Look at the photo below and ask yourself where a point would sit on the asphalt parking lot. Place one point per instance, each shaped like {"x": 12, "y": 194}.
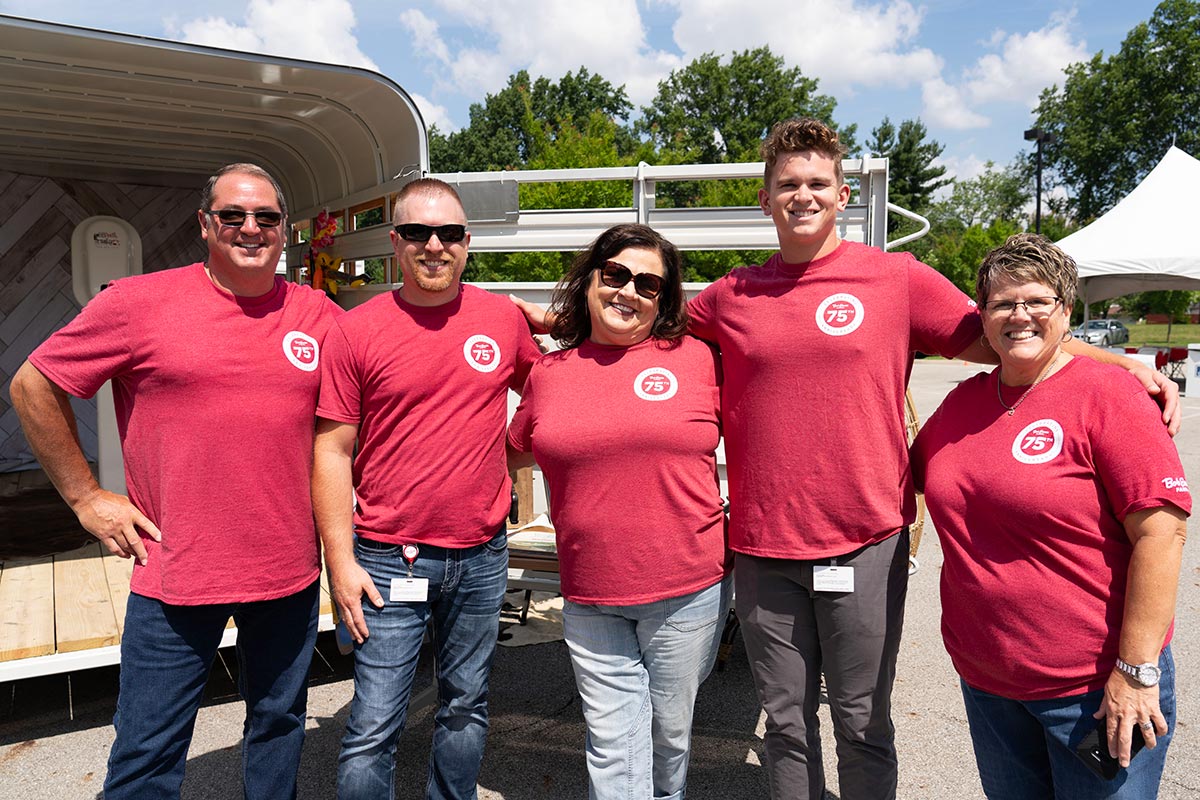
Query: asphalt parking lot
{"x": 55, "y": 731}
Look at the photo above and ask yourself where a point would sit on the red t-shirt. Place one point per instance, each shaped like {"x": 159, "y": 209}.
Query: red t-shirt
{"x": 214, "y": 397}
{"x": 626, "y": 439}
{"x": 428, "y": 388}
{"x": 816, "y": 361}
{"x": 1029, "y": 510}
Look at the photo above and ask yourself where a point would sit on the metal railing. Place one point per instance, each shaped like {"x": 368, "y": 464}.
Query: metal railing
{"x": 499, "y": 224}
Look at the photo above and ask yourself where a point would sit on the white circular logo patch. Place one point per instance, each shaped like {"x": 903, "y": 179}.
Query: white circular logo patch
{"x": 1039, "y": 442}
{"x": 482, "y": 353}
{"x": 656, "y": 383}
{"x": 301, "y": 349}
{"x": 840, "y": 314}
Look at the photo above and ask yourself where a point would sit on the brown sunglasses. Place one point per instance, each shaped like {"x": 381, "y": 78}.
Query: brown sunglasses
{"x": 646, "y": 284}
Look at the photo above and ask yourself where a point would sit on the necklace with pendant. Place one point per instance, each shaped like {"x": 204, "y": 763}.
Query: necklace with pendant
{"x": 1013, "y": 408}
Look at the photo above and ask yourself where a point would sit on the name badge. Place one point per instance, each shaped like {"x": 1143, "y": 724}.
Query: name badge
{"x": 407, "y": 590}
{"x": 833, "y": 579}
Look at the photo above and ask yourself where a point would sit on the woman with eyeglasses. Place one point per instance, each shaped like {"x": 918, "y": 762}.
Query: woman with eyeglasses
{"x": 624, "y": 423}
{"x": 1061, "y": 504}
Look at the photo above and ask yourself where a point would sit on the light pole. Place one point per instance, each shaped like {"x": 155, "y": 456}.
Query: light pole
{"x": 1041, "y": 137}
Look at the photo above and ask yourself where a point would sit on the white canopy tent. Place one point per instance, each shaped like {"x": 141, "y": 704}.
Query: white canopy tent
{"x": 1149, "y": 241}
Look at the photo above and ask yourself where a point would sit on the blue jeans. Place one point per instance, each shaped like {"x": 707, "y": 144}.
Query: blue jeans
{"x": 1026, "y": 750}
{"x": 466, "y": 590}
{"x": 638, "y": 669}
{"x": 166, "y": 654}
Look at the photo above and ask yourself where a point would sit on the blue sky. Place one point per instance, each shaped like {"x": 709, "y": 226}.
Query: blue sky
{"x": 971, "y": 71}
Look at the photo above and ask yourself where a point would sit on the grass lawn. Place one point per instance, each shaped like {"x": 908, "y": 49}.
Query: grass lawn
{"x": 1145, "y": 335}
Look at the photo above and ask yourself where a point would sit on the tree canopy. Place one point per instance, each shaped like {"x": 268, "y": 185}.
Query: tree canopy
{"x": 505, "y": 128}
{"x": 913, "y": 177}
{"x": 1115, "y": 117}
{"x": 712, "y": 111}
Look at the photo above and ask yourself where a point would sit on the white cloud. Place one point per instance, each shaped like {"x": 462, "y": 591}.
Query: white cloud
{"x": 434, "y": 114}
{"x": 425, "y": 31}
{"x": 315, "y": 30}
{"x": 844, "y": 44}
{"x": 944, "y": 106}
{"x": 962, "y": 168}
{"x": 487, "y": 42}
{"x": 1024, "y": 64}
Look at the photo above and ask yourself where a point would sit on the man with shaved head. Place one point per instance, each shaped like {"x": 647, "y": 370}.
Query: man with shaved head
{"x": 419, "y": 379}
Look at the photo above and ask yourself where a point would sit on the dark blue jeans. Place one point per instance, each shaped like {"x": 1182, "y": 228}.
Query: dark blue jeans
{"x": 466, "y": 590}
{"x": 166, "y": 654}
{"x": 1026, "y": 750}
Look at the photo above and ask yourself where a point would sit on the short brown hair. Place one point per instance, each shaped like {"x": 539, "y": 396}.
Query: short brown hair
{"x": 802, "y": 135}
{"x": 1028, "y": 258}
{"x": 207, "y": 195}
{"x": 573, "y": 324}
{"x": 429, "y": 187}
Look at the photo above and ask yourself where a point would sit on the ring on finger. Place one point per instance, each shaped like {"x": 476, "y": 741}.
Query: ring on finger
{"x": 1146, "y": 726}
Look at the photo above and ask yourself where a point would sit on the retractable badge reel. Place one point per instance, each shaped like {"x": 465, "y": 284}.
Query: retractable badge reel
{"x": 409, "y": 589}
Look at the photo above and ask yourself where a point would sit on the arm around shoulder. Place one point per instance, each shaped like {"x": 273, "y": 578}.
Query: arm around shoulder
{"x": 1162, "y": 388}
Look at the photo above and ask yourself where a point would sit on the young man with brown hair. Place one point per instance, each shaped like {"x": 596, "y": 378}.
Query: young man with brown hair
{"x": 817, "y": 347}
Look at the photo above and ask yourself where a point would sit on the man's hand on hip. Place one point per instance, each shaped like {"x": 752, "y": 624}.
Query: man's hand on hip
{"x": 115, "y": 521}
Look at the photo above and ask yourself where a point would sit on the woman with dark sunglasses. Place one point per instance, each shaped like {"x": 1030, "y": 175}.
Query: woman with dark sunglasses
{"x": 624, "y": 423}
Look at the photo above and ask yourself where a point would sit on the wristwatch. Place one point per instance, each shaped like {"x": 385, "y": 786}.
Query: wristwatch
{"x": 1146, "y": 674}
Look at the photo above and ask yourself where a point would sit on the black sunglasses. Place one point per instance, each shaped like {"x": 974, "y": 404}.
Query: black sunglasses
{"x": 416, "y": 232}
{"x": 615, "y": 276}
{"x": 236, "y": 218}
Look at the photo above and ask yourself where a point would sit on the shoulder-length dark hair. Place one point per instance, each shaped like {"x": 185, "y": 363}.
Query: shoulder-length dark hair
{"x": 573, "y": 323}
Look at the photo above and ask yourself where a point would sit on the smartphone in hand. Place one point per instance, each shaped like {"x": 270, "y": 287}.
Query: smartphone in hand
{"x": 1093, "y": 750}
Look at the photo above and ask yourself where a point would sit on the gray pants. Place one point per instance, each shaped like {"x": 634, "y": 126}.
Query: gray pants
{"x": 793, "y": 634}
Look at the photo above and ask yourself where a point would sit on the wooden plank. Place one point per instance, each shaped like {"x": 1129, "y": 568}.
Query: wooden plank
{"x": 52, "y": 256}
{"x": 326, "y": 605}
{"x": 34, "y": 333}
{"x": 6, "y": 180}
{"x": 17, "y": 193}
{"x": 118, "y": 571}
{"x": 27, "y": 609}
{"x": 87, "y": 198}
{"x": 31, "y": 305}
{"x": 83, "y": 611}
{"x": 524, "y": 486}
{"x": 41, "y": 201}
{"x": 111, "y": 195}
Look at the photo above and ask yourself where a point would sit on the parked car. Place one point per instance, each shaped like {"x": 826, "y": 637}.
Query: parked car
{"x": 1102, "y": 332}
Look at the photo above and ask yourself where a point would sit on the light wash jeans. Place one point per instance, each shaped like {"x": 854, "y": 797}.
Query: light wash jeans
{"x": 466, "y": 589}
{"x": 638, "y": 669}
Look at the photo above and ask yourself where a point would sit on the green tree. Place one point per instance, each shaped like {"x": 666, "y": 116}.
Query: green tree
{"x": 979, "y": 214}
{"x": 718, "y": 110}
{"x": 560, "y": 145}
{"x": 994, "y": 194}
{"x": 956, "y": 252}
{"x": 1173, "y": 304}
{"x": 506, "y": 126}
{"x": 912, "y": 175}
{"x": 711, "y": 111}
{"x": 1115, "y": 117}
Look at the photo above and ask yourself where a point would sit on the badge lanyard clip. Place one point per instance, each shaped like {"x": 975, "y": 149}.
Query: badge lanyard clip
{"x": 409, "y": 552}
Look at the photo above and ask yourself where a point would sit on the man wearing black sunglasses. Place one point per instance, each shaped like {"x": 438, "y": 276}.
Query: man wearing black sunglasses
{"x": 215, "y": 370}
{"x": 419, "y": 379}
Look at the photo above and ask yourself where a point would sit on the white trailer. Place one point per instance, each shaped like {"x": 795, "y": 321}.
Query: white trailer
{"x": 103, "y": 124}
